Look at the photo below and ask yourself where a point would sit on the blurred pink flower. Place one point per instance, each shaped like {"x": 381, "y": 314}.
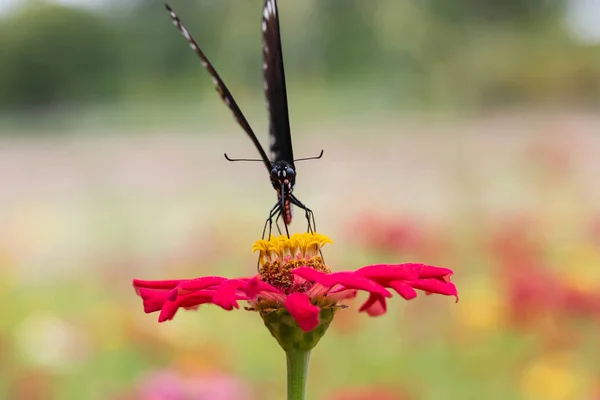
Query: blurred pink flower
{"x": 294, "y": 278}
{"x": 168, "y": 385}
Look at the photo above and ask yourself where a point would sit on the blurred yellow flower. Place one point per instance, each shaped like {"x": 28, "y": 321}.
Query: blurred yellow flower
{"x": 582, "y": 272}
{"x": 554, "y": 377}
{"x": 484, "y": 311}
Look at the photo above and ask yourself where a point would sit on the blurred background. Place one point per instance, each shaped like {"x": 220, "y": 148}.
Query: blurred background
{"x": 461, "y": 134}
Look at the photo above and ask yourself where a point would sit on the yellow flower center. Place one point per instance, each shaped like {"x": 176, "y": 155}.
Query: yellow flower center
{"x": 280, "y": 255}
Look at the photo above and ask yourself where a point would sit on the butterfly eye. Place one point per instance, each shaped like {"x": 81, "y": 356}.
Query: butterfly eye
{"x": 275, "y": 173}
{"x": 289, "y": 172}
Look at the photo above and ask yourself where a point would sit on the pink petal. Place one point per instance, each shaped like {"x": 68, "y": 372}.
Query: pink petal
{"x": 298, "y": 281}
{"x": 225, "y": 295}
{"x": 375, "y": 305}
{"x": 187, "y": 301}
{"x": 305, "y": 313}
{"x": 312, "y": 275}
{"x": 355, "y": 281}
{"x": 202, "y": 283}
{"x": 385, "y": 272}
{"x": 174, "y": 293}
{"x": 434, "y": 272}
{"x": 403, "y": 289}
{"x": 152, "y": 300}
{"x": 317, "y": 290}
{"x": 168, "y": 311}
{"x": 433, "y": 285}
{"x": 344, "y": 294}
{"x": 256, "y": 286}
{"x": 157, "y": 285}
{"x": 348, "y": 279}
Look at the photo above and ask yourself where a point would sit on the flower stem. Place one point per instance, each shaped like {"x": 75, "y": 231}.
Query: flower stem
{"x": 297, "y": 373}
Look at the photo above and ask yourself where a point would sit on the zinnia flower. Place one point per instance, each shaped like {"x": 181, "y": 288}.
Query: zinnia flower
{"x": 296, "y": 294}
{"x": 294, "y": 288}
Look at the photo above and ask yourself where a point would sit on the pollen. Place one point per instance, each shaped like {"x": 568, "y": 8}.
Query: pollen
{"x": 280, "y": 255}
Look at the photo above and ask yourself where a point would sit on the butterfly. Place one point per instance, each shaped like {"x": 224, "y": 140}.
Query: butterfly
{"x": 280, "y": 166}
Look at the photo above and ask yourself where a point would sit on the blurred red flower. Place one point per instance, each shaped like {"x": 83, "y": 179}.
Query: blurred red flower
{"x": 534, "y": 292}
{"x": 370, "y": 393}
{"x": 396, "y": 235}
{"x": 514, "y": 240}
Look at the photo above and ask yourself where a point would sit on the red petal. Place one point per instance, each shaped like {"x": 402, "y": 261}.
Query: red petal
{"x": 355, "y": 281}
{"x": 193, "y": 300}
{"x": 168, "y": 311}
{"x": 434, "y": 272}
{"x": 351, "y": 280}
{"x": 375, "y": 305}
{"x": 153, "y": 301}
{"x": 433, "y": 285}
{"x": 313, "y": 275}
{"x": 305, "y": 313}
{"x": 174, "y": 293}
{"x": 157, "y": 285}
{"x": 202, "y": 283}
{"x": 403, "y": 289}
{"x": 196, "y": 298}
{"x": 225, "y": 295}
{"x": 385, "y": 272}
{"x": 255, "y": 286}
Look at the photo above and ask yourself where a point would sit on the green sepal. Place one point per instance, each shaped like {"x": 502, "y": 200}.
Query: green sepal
{"x": 289, "y": 335}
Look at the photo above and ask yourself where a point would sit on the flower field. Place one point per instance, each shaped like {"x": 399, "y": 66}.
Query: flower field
{"x": 508, "y": 202}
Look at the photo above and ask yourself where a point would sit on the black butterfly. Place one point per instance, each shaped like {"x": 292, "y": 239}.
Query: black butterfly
{"x": 281, "y": 165}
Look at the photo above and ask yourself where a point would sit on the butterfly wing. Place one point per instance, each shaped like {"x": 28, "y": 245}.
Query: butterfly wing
{"x": 275, "y": 91}
{"x": 220, "y": 86}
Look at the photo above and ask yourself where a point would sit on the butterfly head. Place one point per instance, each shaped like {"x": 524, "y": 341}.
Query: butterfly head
{"x": 283, "y": 174}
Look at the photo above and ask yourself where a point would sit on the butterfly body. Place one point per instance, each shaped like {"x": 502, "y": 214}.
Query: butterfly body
{"x": 283, "y": 179}
{"x": 280, "y": 165}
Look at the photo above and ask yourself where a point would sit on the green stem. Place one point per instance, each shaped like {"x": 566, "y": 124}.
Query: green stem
{"x": 297, "y": 373}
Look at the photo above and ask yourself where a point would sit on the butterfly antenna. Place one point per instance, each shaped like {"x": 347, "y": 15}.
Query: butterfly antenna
{"x": 311, "y": 158}
{"x": 241, "y": 159}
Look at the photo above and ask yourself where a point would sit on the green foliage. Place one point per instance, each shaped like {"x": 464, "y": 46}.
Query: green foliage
{"x": 495, "y": 11}
{"x": 463, "y": 53}
{"x": 52, "y": 53}
{"x": 153, "y": 51}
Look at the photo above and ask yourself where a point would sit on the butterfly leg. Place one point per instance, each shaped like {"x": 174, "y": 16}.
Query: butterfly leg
{"x": 310, "y": 216}
{"x": 274, "y": 213}
{"x": 287, "y": 232}
{"x": 277, "y": 218}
